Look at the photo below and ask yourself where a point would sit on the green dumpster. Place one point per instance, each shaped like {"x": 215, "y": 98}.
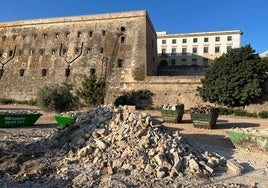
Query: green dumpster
{"x": 64, "y": 120}
{"x": 173, "y": 116}
{"x": 10, "y": 120}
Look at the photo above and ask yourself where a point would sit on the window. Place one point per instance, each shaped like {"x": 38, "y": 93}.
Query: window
{"x": 123, "y": 29}
{"x": 217, "y": 49}
{"x": 206, "y": 39}
{"x": 44, "y": 72}
{"x": 184, "y": 51}
{"x": 229, "y": 48}
{"x": 88, "y": 50}
{"x": 183, "y": 61}
{"x": 31, "y": 52}
{"x": 194, "y": 40}
{"x": 194, "y": 61}
{"x": 41, "y": 51}
{"x": 67, "y": 34}
{"x": 173, "y": 51}
{"x": 103, "y": 32}
{"x": 79, "y": 34}
{"x": 173, "y": 62}
{"x": 21, "y": 72}
{"x": 34, "y": 36}
{"x": 1, "y": 53}
{"x": 163, "y": 51}
{"x": 44, "y": 36}
{"x": 90, "y": 33}
{"x": 119, "y": 63}
{"x": 10, "y": 53}
{"x": 67, "y": 72}
{"x": 53, "y": 51}
{"x": 164, "y": 41}
{"x": 122, "y": 39}
{"x": 217, "y": 39}
{"x": 229, "y": 38}
{"x": 14, "y": 37}
{"x": 64, "y": 51}
{"x": 4, "y": 38}
{"x": 184, "y": 40}
{"x": 92, "y": 71}
{"x": 76, "y": 50}
{"x": 57, "y": 35}
{"x": 194, "y": 50}
{"x": 205, "y": 61}
{"x": 101, "y": 50}
{"x": 205, "y": 51}
{"x": 174, "y": 41}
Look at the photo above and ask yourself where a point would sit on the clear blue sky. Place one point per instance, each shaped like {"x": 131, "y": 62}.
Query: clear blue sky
{"x": 173, "y": 16}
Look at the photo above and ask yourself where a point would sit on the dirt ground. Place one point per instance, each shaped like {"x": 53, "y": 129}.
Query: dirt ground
{"x": 255, "y": 163}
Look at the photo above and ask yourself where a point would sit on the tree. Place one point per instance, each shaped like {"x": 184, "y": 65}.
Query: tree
{"x": 92, "y": 90}
{"x": 235, "y": 79}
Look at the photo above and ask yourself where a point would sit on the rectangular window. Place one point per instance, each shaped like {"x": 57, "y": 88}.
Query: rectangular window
{"x": 184, "y": 40}
{"x": 183, "y": 61}
{"x": 90, "y": 33}
{"x": 44, "y": 36}
{"x": 206, "y": 39}
{"x": 205, "y": 51}
{"x": 119, "y": 63}
{"x": 229, "y": 38}
{"x": 194, "y": 40}
{"x": 53, "y": 51}
{"x": 194, "y": 50}
{"x": 31, "y": 52}
{"x": 57, "y": 35}
{"x": 173, "y": 51}
{"x": 122, "y": 39}
{"x": 21, "y": 72}
{"x": 64, "y": 51}
{"x": 174, "y": 41}
{"x": 79, "y": 34}
{"x": 163, "y": 51}
{"x": 101, "y": 50}
{"x": 217, "y": 39}
{"x": 10, "y": 53}
{"x": 103, "y": 33}
{"x": 217, "y": 49}
{"x": 173, "y": 62}
{"x": 67, "y": 34}
{"x": 44, "y": 72}
{"x": 205, "y": 61}
{"x": 164, "y": 41}
{"x": 1, "y": 54}
{"x": 194, "y": 61}
{"x": 88, "y": 50}
{"x": 184, "y": 51}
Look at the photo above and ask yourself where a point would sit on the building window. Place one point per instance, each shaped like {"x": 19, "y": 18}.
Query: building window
{"x": 101, "y": 50}
{"x": 57, "y": 35}
{"x": 183, "y": 61}
{"x": 34, "y": 36}
{"x": 122, "y": 39}
{"x": 194, "y": 50}
{"x": 67, "y": 72}
{"x": 163, "y": 51}
{"x": 206, "y": 39}
{"x": 67, "y": 34}
{"x": 173, "y": 51}
{"x": 217, "y": 39}
{"x": 164, "y": 41}
{"x": 205, "y": 50}
{"x": 228, "y": 48}
{"x": 103, "y": 32}
{"x": 22, "y": 72}
{"x": 10, "y": 53}
{"x": 31, "y": 52}
{"x": 64, "y": 51}
{"x": 205, "y": 61}
{"x": 76, "y": 50}
{"x": 4, "y": 38}
{"x": 194, "y": 61}
{"x": 229, "y": 38}
{"x": 217, "y": 49}
{"x": 184, "y": 51}
{"x": 41, "y": 51}
{"x": 88, "y": 50}
{"x": 174, "y": 41}
{"x": 44, "y": 72}
{"x": 44, "y": 36}
{"x": 119, "y": 63}
{"x": 1, "y": 54}
{"x": 90, "y": 33}
{"x": 53, "y": 51}
{"x": 184, "y": 40}
{"x": 14, "y": 37}
{"x": 194, "y": 40}
{"x": 79, "y": 34}
{"x": 173, "y": 62}
{"x": 92, "y": 71}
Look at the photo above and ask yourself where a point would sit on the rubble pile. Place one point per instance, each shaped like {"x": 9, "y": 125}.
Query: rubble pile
{"x": 201, "y": 110}
{"x": 117, "y": 145}
{"x": 171, "y": 106}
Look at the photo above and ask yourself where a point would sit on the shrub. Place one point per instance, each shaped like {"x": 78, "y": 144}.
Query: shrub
{"x": 57, "y": 97}
{"x": 92, "y": 90}
{"x": 6, "y": 101}
{"x": 241, "y": 112}
{"x": 263, "y": 114}
{"x": 225, "y": 111}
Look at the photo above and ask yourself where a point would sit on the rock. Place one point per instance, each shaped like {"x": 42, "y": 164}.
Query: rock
{"x": 234, "y": 166}
{"x": 193, "y": 165}
{"x": 100, "y": 144}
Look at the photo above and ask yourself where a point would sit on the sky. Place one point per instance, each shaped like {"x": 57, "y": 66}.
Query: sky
{"x": 173, "y": 16}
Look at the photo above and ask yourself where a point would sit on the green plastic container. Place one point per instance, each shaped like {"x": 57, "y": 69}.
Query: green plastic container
{"x": 18, "y": 120}
{"x": 249, "y": 141}
{"x": 63, "y": 121}
{"x": 208, "y": 121}
{"x": 173, "y": 116}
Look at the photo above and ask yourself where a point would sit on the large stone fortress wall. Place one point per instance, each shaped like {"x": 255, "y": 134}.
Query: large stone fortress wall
{"x": 118, "y": 47}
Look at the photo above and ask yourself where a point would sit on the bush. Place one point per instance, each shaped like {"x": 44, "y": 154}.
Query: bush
{"x": 225, "y": 111}
{"x": 263, "y": 114}
{"x": 241, "y": 112}
{"x": 57, "y": 97}
{"x": 6, "y": 101}
{"x": 142, "y": 99}
{"x": 92, "y": 90}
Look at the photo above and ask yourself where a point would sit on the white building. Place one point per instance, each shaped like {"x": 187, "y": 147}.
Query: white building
{"x": 194, "y": 49}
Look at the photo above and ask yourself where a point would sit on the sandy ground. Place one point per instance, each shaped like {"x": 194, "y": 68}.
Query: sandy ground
{"x": 255, "y": 163}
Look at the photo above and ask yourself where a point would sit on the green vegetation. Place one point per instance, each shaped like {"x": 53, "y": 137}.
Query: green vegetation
{"x": 241, "y": 112}
{"x": 57, "y": 97}
{"x": 13, "y": 101}
{"x": 225, "y": 111}
{"x": 263, "y": 114}
{"x": 142, "y": 99}
{"x": 92, "y": 90}
{"x": 235, "y": 79}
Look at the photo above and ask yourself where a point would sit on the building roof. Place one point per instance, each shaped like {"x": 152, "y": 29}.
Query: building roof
{"x": 264, "y": 54}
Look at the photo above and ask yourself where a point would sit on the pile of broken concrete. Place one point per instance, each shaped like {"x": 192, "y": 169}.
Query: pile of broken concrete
{"x": 116, "y": 143}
